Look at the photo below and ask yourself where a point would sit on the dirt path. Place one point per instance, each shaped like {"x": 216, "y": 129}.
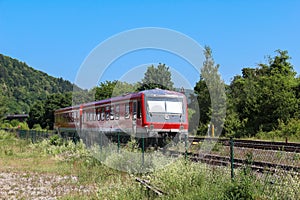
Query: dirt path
{"x": 30, "y": 185}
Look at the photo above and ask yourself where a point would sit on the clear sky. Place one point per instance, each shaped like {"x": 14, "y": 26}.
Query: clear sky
{"x": 56, "y": 36}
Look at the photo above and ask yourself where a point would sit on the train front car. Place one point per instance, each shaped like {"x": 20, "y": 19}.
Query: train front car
{"x": 165, "y": 113}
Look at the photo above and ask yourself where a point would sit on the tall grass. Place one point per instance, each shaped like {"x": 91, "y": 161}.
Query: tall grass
{"x": 179, "y": 179}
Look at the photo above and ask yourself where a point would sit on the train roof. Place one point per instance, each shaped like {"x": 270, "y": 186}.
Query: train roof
{"x": 152, "y": 92}
{"x": 161, "y": 92}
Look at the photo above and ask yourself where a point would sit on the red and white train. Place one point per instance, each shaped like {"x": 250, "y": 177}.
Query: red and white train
{"x": 149, "y": 113}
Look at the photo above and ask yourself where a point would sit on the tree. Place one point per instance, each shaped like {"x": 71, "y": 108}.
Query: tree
{"x": 52, "y": 103}
{"x": 110, "y": 89}
{"x": 36, "y": 114}
{"x": 266, "y": 95}
{"x": 3, "y": 106}
{"x": 23, "y": 86}
{"x": 157, "y": 77}
{"x": 210, "y": 90}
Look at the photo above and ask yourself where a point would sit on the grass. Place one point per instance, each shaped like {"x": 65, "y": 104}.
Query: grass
{"x": 179, "y": 179}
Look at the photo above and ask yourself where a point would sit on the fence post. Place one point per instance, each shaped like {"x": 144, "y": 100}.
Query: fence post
{"x": 100, "y": 140}
{"x": 231, "y": 158}
{"x": 143, "y": 149}
{"x": 185, "y": 144}
{"x": 118, "y": 142}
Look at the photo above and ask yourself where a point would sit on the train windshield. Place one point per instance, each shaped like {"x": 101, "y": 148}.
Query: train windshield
{"x": 165, "y": 105}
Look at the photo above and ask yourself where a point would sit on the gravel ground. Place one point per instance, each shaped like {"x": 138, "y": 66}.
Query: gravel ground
{"x": 29, "y": 185}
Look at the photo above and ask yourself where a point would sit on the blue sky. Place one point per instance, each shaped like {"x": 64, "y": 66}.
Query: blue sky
{"x": 57, "y": 36}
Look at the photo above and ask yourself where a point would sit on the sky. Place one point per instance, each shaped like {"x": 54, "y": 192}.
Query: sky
{"x": 57, "y": 37}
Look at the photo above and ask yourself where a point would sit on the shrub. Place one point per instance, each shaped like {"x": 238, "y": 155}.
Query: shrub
{"x": 56, "y": 140}
{"x": 37, "y": 127}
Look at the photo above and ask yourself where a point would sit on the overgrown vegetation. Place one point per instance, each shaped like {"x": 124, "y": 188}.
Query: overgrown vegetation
{"x": 179, "y": 180}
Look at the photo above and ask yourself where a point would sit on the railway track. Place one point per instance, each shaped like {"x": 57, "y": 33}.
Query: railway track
{"x": 218, "y": 160}
{"x": 255, "y": 144}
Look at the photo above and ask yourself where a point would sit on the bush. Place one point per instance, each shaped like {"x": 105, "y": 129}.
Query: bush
{"x": 4, "y": 135}
{"x": 37, "y": 127}
{"x": 56, "y": 140}
{"x": 291, "y": 130}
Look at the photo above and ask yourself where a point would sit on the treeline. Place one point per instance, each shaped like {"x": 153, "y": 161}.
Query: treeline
{"x": 262, "y": 102}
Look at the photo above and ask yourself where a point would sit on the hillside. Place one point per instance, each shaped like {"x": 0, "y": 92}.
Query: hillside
{"x": 22, "y": 85}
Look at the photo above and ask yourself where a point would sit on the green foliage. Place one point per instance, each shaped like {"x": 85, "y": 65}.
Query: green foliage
{"x": 110, "y": 89}
{"x": 289, "y": 130}
{"x": 4, "y": 135}
{"x": 262, "y": 97}
{"x": 210, "y": 90}
{"x": 56, "y": 140}
{"x": 14, "y": 124}
{"x": 243, "y": 188}
{"x": 42, "y": 112}
{"x": 3, "y": 105}
{"x": 22, "y": 85}
{"x": 52, "y": 103}
{"x": 179, "y": 179}
{"x": 6, "y": 124}
{"x": 37, "y": 127}
{"x": 36, "y": 114}
{"x": 157, "y": 77}
{"x": 132, "y": 145}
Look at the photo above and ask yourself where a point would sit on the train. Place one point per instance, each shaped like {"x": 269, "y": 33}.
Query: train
{"x": 154, "y": 113}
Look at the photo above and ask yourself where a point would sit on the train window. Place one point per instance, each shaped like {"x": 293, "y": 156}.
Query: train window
{"x": 107, "y": 110}
{"x": 127, "y": 111}
{"x": 98, "y": 114}
{"x": 71, "y": 116}
{"x": 65, "y": 117}
{"x": 102, "y": 114}
{"x": 112, "y": 113}
{"x": 75, "y": 115}
{"x": 139, "y": 113}
{"x": 134, "y": 110}
{"x": 94, "y": 116}
{"x": 86, "y": 116}
{"x": 117, "y": 114}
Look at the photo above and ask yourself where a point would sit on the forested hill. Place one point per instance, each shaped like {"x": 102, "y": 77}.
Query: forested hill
{"x": 22, "y": 85}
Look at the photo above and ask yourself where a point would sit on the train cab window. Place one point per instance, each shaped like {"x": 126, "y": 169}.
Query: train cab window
{"x": 102, "y": 114}
{"x": 117, "y": 114}
{"x": 112, "y": 112}
{"x": 134, "y": 110}
{"x": 139, "y": 113}
{"x": 127, "y": 111}
{"x": 107, "y": 112}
